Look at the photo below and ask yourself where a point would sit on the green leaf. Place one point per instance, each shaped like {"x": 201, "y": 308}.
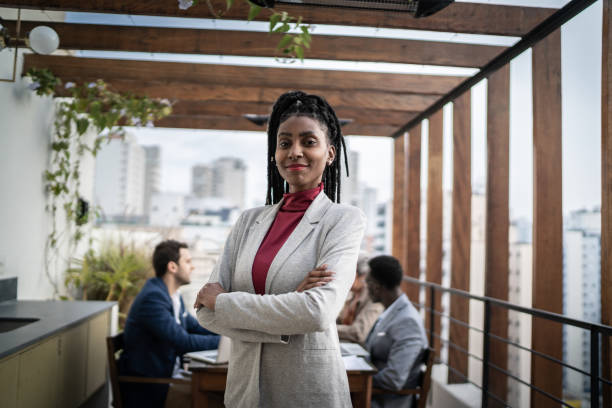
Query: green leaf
{"x": 274, "y": 19}
{"x": 283, "y": 28}
{"x": 82, "y": 125}
{"x": 253, "y": 11}
{"x": 299, "y": 52}
{"x": 286, "y": 40}
{"x": 229, "y": 4}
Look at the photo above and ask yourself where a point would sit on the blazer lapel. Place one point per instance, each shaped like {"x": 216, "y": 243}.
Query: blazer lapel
{"x": 257, "y": 232}
{"x": 311, "y": 217}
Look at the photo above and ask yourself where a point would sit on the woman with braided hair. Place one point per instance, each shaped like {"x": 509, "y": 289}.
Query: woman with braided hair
{"x": 287, "y": 267}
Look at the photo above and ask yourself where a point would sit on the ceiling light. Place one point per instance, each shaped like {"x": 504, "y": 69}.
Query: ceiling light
{"x": 42, "y": 40}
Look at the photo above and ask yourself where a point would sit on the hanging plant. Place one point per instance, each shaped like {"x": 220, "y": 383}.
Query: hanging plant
{"x": 90, "y": 108}
{"x": 291, "y": 45}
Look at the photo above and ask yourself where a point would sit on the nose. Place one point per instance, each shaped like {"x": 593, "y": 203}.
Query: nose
{"x": 295, "y": 152}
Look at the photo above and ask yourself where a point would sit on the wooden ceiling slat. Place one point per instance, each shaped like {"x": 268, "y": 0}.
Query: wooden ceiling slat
{"x": 191, "y": 91}
{"x": 216, "y": 122}
{"x": 244, "y": 43}
{"x": 458, "y": 17}
{"x": 230, "y": 75}
{"x": 229, "y": 108}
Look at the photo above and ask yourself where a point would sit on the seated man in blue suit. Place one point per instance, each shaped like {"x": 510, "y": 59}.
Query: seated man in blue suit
{"x": 397, "y": 341}
{"x": 158, "y": 330}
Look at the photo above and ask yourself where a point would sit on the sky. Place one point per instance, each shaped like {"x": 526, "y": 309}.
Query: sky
{"x": 581, "y": 96}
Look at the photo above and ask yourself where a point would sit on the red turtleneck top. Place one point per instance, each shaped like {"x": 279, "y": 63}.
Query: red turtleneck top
{"x": 288, "y": 217}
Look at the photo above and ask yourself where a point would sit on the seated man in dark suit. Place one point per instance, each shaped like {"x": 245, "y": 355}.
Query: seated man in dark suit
{"x": 158, "y": 330}
{"x": 397, "y": 341}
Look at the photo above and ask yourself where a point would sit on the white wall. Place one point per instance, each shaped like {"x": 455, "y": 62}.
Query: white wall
{"x": 25, "y": 121}
{"x": 25, "y": 129}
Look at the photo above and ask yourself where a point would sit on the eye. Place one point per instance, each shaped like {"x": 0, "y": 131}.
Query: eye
{"x": 311, "y": 141}
{"x": 283, "y": 144}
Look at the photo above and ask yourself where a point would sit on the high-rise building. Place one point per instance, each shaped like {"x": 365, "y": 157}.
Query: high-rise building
{"x": 224, "y": 178}
{"x": 581, "y": 295}
{"x": 229, "y": 180}
{"x": 167, "y": 209}
{"x": 152, "y": 175}
{"x": 120, "y": 178}
{"x": 381, "y": 235}
{"x": 519, "y": 324}
{"x": 202, "y": 181}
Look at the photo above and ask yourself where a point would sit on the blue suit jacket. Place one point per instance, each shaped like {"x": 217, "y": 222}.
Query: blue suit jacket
{"x": 153, "y": 341}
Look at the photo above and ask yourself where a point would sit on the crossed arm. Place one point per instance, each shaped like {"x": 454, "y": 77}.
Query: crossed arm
{"x": 256, "y": 318}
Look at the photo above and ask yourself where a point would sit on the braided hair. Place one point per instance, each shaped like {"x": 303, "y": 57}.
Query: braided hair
{"x": 297, "y": 103}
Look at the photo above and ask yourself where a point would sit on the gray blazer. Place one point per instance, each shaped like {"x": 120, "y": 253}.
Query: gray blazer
{"x": 267, "y": 368}
{"x": 396, "y": 345}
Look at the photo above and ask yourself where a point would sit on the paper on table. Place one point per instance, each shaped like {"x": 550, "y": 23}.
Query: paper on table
{"x": 356, "y": 363}
{"x": 354, "y": 349}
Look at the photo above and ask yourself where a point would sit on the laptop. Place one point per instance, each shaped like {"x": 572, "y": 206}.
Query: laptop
{"x": 218, "y": 356}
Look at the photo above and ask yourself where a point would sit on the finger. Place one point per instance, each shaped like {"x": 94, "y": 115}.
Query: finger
{"x": 314, "y": 285}
{"x": 322, "y": 279}
{"x": 320, "y": 274}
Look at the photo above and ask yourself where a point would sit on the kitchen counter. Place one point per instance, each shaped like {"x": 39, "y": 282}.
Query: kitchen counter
{"x": 54, "y": 316}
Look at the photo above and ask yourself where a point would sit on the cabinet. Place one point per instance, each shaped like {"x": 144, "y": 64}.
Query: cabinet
{"x": 61, "y": 371}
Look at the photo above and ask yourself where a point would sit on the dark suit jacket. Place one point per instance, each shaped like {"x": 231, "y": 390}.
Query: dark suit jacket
{"x": 153, "y": 341}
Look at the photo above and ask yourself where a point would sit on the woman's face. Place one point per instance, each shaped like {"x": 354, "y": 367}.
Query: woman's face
{"x": 302, "y": 152}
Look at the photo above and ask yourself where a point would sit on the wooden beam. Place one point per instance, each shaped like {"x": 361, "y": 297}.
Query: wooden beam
{"x": 220, "y": 122}
{"x": 413, "y": 212}
{"x": 497, "y": 221}
{"x": 547, "y": 336}
{"x": 259, "y": 44}
{"x": 434, "y": 217}
{"x": 458, "y": 17}
{"x": 606, "y": 198}
{"x": 461, "y": 227}
{"x": 399, "y": 192}
{"x": 190, "y": 91}
{"x": 75, "y": 68}
{"x": 229, "y": 108}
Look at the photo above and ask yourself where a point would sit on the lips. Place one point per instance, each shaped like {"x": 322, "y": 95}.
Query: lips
{"x": 296, "y": 167}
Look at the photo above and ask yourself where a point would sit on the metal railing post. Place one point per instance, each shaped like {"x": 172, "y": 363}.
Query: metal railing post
{"x": 485, "y": 354}
{"x": 594, "y": 367}
{"x": 432, "y": 306}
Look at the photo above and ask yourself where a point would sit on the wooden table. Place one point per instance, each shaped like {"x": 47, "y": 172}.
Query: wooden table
{"x": 206, "y": 378}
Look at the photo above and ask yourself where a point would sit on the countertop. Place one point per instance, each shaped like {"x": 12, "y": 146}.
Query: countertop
{"x": 55, "y": 316}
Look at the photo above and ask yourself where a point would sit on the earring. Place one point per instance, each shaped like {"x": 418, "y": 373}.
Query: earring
{"x": 271, "y": 159}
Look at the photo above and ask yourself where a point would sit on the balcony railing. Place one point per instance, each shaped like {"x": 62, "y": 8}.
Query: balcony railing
{"x": 596, "y": 331}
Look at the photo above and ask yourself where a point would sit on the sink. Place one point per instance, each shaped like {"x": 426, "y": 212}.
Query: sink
{"x": 8, "y": 324}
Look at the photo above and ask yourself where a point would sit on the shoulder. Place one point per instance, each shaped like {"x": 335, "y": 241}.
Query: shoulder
{"x": 345, "y": 211}
{"x": 407, "y": 321}
{"x": 152, "y": 290}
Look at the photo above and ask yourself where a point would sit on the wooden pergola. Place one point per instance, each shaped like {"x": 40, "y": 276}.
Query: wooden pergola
{"x": 392, "y": 105}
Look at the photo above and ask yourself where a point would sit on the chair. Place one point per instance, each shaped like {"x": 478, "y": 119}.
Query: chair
{"x": 421, "y": 391}
{"x": 115, "y": 344}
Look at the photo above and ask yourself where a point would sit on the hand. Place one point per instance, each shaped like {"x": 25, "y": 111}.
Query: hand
{"x": 318, "y": 277}
{"x": 207, "y": 296}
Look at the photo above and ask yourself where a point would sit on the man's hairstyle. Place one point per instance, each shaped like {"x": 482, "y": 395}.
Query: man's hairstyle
{"x": 386, "y": 270}
{"x": 166, "y": 251}
{"x": 297, "y": 103}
